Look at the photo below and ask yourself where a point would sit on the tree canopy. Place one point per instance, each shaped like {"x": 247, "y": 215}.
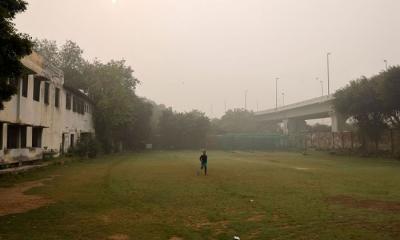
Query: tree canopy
{"x": 121, "y": 118}
{"x": 373, "y": 103}
{"x": 13, "y": 47}
{"x": 241, "y": 121}
{"x": 183, "y": 130}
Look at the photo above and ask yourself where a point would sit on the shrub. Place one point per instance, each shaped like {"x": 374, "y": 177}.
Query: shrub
{"x": 87, "y": 147}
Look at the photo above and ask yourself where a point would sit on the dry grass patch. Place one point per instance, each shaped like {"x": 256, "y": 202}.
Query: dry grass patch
{"x": 14, "y": 200}
{"x": 119, "y": 237}
{"x": 377, "y": 205}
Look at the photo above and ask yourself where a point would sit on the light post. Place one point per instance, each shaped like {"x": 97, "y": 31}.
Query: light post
{"x": 257, "y": 105}
{"x": 327, "y": 64}
{"x": 386, "y": 64}
{"x": 322, "y": 87}
{"x": 283, "y": 99}
{"x": 225, "y": 105}
{"x": 245, "y": 100}
{"x": 276, "y": 93}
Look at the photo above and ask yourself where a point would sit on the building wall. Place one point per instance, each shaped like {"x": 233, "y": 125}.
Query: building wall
{"x": 56, "y": 122}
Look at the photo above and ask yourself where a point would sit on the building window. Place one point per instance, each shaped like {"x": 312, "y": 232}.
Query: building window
{"x": 36, "y": 89}
{"x": 1, "y": 135}
{"x": 46, "y": 92}
{"x": 23, "y": 136}
{"x": 37, "y": 137}
{"x": 74, "y": 104}
{"x": 57, "y": 98}
{"x": 12, "y": 136}
{"x": 68, "y": 101}
{"x": 25, "y": 86}
{"x": 81, "y": 108}
{"x": 72, "y": 141}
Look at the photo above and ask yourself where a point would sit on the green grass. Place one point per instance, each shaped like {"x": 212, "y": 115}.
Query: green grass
{"x": 158, "y": 196}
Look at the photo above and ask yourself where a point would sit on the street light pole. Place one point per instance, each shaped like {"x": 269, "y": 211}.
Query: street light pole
{"x": 327, "y": 63}
{"x": 225, "y": 105}
{"x": 283, "y": 99}
{"x": 322, "y": 86}
{"x": 257, "y": 105}
{"x": 276, "y": 93}
{"x": 245, "y": 100}
{"x": 386, "y": 64}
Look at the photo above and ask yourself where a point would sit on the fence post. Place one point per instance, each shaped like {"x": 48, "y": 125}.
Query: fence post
{"x": 391, "y": 141}
{"x": 342, "y": 137}
{"x": 352, "y": 141}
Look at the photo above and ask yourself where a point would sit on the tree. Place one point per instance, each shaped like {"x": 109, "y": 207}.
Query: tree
{"x": 13, "y": 47}
{"x": 121, "y": 118}
{"x": 241, "y": 121}
{"x": 73, "y": 65}
{"x": 49, "y": 50}
{"x": 390, "y": 95}
{"x": 361, "y": 101}
{"x": 68, "y": 58}
{"x": 183, "y": 130}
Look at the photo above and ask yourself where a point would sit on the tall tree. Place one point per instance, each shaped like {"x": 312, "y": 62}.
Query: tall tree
{"x": 49, "y": 50}
{"x": 241, "y": 121}
{"x": 73, "y": 65}
{"x": 183, "y": 130}
{"x": 390, "y": 95}
{"x": 13, "y": 46}
{"x": 361, "y": 101}
{"x": 69, "y": 58}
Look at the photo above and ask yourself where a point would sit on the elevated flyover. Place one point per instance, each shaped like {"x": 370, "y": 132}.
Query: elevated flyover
{"x": 294, "y": 115}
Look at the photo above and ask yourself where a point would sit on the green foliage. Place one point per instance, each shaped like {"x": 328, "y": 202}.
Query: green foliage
{"x": 13, "y": 46}
{"x": 241, "y": 121}
{"x": 121, "y": 118}
{"x": 183, "y": 130}
{"x": 68, "y": 58}
{"x": 87, "y": 147}
{"x": 372, "y": 103}
{"x": 390, "y": 95}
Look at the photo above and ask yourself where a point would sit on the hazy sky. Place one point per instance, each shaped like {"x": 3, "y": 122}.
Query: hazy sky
{"x": 195, "y": 54}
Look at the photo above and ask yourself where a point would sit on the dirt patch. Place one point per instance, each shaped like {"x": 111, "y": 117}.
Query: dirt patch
{"x": 176, "y": 238}
{"x": 119, "y": 237}
{"x": 14, "y": 200}
{"x": 378, "y": 205}
{"x": 217, "y": 227}
{"x": 256, "y": 218}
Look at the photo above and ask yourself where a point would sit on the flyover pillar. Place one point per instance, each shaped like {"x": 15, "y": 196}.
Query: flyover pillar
{"x": 293, "y": 126}
{"x": 338, "y": 122}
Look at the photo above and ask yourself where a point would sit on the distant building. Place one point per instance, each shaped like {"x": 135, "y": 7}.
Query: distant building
{"x": 44, "y": 116}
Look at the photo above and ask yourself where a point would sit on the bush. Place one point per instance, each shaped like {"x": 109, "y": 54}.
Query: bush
{"x": 87, "y": 147}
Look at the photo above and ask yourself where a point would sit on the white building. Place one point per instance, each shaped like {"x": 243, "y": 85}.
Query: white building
{"x": 44, "y": 116}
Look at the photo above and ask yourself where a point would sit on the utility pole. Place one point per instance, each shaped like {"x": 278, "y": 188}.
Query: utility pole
{"x": 225, "y": 105}
{"x": 276, "y": 93}
{"x": 245, "y": 100}
{"x": 257, "y": 105}
{"x": 322, "y": 86}
{"x": 327, "y": 63}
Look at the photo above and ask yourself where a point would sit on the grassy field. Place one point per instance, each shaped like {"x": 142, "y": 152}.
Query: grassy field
{"x": 254, "y": 195}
